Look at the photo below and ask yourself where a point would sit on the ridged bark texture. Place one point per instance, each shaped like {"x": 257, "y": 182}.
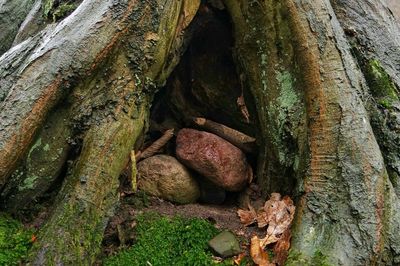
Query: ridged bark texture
{"x": 299, "y": 65}
{"x": 98, "y": 69}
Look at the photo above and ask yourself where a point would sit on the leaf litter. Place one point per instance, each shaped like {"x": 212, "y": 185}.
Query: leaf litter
{"x": 276, "y": 215}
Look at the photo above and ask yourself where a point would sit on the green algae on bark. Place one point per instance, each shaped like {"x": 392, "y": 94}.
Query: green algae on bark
{"x": 112, "y": 113}
{"x": 297, "y": 258}
{"x": 381, "y": 86}
{"x": 42, "y": 166}
{"x": 340, "y": 167}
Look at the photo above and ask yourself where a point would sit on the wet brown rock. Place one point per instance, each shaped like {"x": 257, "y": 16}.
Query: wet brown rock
{"x": 163, "y": 176}
{"x": 215, "y": 158}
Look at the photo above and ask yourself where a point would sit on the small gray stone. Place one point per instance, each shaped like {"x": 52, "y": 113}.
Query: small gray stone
{"x": 225, "y": 244}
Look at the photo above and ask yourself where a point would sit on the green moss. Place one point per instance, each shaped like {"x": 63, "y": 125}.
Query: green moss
{"x": 51, "y": 10}
{"x": 63, "y": 10}
{"x": 297, "y": 258}
{"x": 385, "y": 103}
{"x": 320, "y": 259}
{"x": 47, "y": 6}
{"x": 15, "y": 241}
{"x": 381, "y": 86}
{"x": 168, "y": 241}
{"x": 46, "y": 147}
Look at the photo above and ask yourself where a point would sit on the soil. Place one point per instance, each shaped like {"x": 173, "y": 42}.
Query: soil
{"x": 120, "y": 230}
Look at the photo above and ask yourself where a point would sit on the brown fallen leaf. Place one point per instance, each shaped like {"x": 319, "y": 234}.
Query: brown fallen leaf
{"x": 239, "y": 258}
{"x": 282, "y": 217}
{"x": 265, "y": 215}
{"x": 247, "y": 217}
{"x": 277, "y": 215}
{"x": 257, "y": 253}
{"x": 268, "y": 239}
{"x": 281, "y": 248}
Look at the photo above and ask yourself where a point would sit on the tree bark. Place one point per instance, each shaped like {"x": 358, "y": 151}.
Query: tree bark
{"x": 309, "y": 92}
{"x": 105, "y": 61}
{"x": 374, "y": 41}
{"x": 12, "y": 14}
{"x": 325, "y": 80}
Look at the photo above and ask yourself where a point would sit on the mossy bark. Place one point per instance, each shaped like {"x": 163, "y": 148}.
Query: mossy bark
{"x": 43, "y": 164}
{"x": 325, "y": 91}
{"x": 308, "y": 90}
{"x": 98, "y": 88}
{"x": 374, "y": 41}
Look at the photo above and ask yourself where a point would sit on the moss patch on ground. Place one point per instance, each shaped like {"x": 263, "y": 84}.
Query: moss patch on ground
{"x": 162, "y": 240}
{"x": 15, "y": 241}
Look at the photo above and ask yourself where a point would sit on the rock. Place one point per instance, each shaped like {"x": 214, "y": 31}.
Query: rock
{"x": 165, "y": 177}
{"x": 225, "y": 244}
{"x": 215, "y": 158}
{"x": 211, "y": 193}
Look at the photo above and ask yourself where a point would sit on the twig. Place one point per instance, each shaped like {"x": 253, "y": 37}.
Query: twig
{"x": 241, "y": 102}
{"x": 133, "y": 172}
{"x": 243, "y": 108}
{"x": 156, "y": 146}
{"x": 237, "y": 138}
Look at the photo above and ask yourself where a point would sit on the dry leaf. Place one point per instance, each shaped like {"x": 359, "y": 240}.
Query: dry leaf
{"x": 278, "y": 215}
{"x": 133, "y": 171}
{"x": 268, "y": 239}
{"x": 250, "y": 176}
{"x": 239, "y": 258}
{"x": 247, "y": 217}
{"x": 281, "y": 248}
{"x": 190, "y": 8}
{"x": 271, "y": 207}
{"x": 281, "y": 217}
{"x": 257, "y": 253}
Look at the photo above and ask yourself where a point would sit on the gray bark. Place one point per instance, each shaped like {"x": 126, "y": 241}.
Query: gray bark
{"x": 375, "y": 38}
{"x": 299, "y": 66}
{"x": 103, "y": 63}
{"x": 12, "y": 14}
{"x": 325, "y": 80}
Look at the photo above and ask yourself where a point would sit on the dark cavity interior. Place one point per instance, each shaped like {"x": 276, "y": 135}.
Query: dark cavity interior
{"x": 205, "y": 84}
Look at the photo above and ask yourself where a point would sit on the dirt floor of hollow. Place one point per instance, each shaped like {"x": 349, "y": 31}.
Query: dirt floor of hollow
{"x": 120, "y": 231}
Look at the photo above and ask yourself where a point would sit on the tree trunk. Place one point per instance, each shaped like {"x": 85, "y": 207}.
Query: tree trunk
{"x": 312, "y": 102}
{"x": 324, "y": 76}
{"x": 104, "y": 63}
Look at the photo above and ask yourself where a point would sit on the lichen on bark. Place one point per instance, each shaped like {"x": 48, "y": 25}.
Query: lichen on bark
{"x": 328, "y": 83}
{"x": 109, "y": 109}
